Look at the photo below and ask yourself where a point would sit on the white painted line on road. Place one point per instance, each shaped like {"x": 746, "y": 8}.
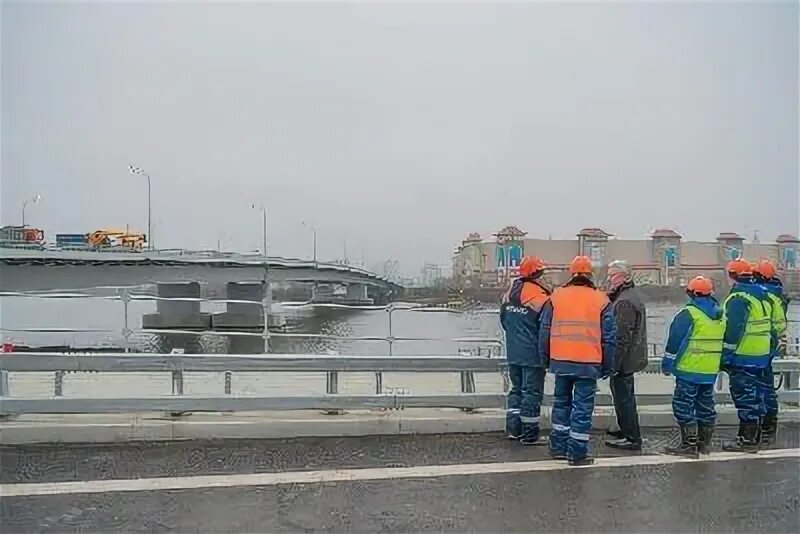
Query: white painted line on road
{"x": 351, "y": 475}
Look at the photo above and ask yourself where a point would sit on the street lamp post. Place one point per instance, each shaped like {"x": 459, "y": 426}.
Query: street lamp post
{"x": 35, "y": 200}
{"x": 314, "y": 233}
{"x": 133, "y": 169}
{"x": 263, "y": 210}
{"x": 266, "y": 302}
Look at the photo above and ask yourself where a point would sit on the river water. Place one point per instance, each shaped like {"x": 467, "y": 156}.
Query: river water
{"x": 100, "y": 321}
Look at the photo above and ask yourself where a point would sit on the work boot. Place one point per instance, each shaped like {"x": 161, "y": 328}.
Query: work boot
{"x": 528, "y": 440}
{"x": 769, "y": 430}
{"x": 624, "y": 443}
{"x": 688, "y": 444}
{"x": 704, "y": 435}
{"x": 746, "y": 439}
{"x": 579, "y": 462}
{"x": 513, "y": 431}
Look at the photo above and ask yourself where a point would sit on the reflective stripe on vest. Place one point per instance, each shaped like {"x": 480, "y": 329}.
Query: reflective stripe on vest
{"x": 704, "y": 350}
{"x": 778, "y": 314}
{"x": 576, "y": 332}
{"x": 758, "y": 331}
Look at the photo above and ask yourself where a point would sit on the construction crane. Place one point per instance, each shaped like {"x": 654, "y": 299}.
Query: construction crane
{"x": 115, "y": 238}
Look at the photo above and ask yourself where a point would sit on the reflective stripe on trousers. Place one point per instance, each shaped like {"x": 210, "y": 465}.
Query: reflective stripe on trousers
{"x": 573, "y": 403}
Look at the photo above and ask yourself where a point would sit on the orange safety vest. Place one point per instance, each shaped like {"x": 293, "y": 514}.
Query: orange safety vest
{"x": 576, "y": 332}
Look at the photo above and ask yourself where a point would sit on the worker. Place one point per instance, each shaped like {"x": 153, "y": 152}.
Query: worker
{"x": 576, "y": 336}
{"x": 746, "y": 351}
{"x": 693, "y": 354}
{"x": 519, "y": 317}
{"x": 765, "y": 275}
{"x": 630, "y": 318}
{"x": 773, "y": 284}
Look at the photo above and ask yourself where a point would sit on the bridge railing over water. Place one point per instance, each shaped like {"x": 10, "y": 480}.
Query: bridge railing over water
{"x": 128, "y": 332}
{"x": 332, "y": 366}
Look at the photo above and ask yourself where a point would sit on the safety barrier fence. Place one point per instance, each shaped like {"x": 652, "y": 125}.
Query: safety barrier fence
{"x": 128, "y": 330}
{"x": 332, "y": 366}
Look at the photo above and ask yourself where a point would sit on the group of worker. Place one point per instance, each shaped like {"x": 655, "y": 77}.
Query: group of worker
{"x": 583, "y": 334}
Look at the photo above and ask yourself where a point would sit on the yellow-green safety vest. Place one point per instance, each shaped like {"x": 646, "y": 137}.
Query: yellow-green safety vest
{"x": 704, "y": 350}
{"x": 778, "y": 314}
{"x": 758, "y": 330}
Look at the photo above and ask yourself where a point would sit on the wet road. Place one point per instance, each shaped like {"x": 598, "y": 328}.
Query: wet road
{"x": 472, "y": 483}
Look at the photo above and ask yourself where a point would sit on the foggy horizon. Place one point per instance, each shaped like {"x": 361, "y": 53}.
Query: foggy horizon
{"x": 400, "y": 128}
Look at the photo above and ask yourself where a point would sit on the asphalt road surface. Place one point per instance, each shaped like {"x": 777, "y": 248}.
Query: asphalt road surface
{"x": 447, "y": 483}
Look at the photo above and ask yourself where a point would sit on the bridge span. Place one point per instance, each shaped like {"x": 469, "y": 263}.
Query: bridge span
{"x": 42, "y": 270}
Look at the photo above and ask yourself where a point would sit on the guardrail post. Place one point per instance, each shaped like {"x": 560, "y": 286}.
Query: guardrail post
{"x": 332, "y": 388}
{"x": 177, "y": 382}
{"x": 227, "y": 382}
{"x": 125, "y": 297}
{"x": 467, "y": 386}
{"x": 58, "y": 384}
{"x": 378, "y": 383}
{"x": 4, "y": 383}
{"x": 266, "y": 304}
{"x": 4, "y": 392}
{"x": 177, "y": 389}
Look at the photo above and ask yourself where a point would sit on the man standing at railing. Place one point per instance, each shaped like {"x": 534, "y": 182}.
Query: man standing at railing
{"x": 746, "y": 351}
{"x": 765, "y": 276}
{"x": 577, "y": 337}
{"x": 519, "y": 317}
{"x": 630, "y": 317}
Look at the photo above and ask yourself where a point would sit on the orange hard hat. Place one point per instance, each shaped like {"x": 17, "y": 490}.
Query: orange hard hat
{"x": 580, "y": 265}
{"x": 530, "y": 265}
{"x": 739, "y": 267}
{"x": 700, "y": 285}
{"x": 766, "y": 269}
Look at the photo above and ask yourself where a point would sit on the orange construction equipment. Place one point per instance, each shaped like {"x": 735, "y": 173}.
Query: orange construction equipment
{"x": 115, "y": 238}
{"x": 766, "y": 269}
{"x": 576, "y": 332}
{"x": 700, "y": 285}
{"x": 739, "y": 267}
{"x": 580, "y": 265}
{"x": 530, "y": 265}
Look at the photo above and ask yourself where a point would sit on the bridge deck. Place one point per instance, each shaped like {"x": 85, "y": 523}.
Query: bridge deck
{"x": 474, "y": 483}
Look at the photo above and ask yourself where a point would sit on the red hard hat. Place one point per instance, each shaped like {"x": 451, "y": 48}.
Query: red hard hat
{"x": 766, "y": 269}
{"x": 530, "y": 265}
{"x": 739, "y": 267}
{"x": 700, "y": 285}
{"x": 580, "y": 265}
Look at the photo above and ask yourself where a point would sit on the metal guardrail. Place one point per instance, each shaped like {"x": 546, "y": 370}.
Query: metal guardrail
{"x": 468, "y": 399}
{"x": 492, "y": 345}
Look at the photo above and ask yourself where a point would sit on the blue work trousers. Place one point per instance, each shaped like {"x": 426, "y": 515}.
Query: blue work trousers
{"x": 766, "y": 388}
{"x": 524, "y": 401}
{"x": 573, "y": 404}
{"x": 693, "y": 403}
{"x": 747, "y": 394}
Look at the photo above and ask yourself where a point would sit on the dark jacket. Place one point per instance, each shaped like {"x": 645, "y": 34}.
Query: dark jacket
{"x": 519, "y": 317}
{"x": 630, "y": 316}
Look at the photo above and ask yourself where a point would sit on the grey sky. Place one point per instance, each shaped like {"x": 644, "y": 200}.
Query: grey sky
{"x": 401, "y": 126}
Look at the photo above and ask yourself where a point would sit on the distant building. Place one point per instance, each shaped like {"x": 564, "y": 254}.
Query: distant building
{"x": 663, "y": 259}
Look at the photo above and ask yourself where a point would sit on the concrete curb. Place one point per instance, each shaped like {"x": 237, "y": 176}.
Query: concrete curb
{"x": 279, "y": 425}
